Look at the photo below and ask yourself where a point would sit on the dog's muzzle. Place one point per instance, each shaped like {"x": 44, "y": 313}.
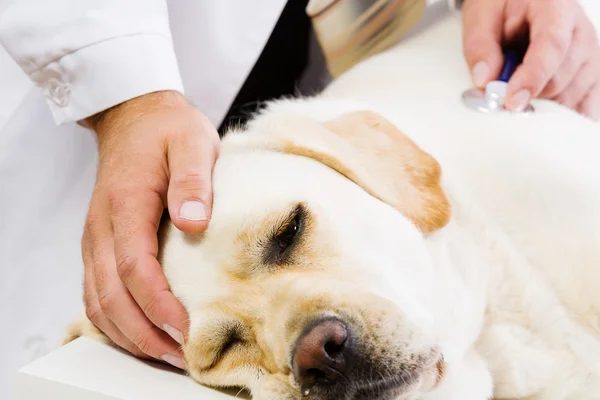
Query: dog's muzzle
{"x": 330, "y": 361}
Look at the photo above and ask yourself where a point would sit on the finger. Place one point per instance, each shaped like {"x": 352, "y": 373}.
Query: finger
{"x": 590, "y": 106}
{"x": 191, "y": 160}
{"x": 551, "y": 33}
{"x": 482, "y": 35}
{"x": 96, "y": 316}
{"x": 92, "y": 308}
{"x": 120, "y": 308}
{"x": 136, "y": 216}
{"x": 118, "y": 305}
{"x": 515, "y": 21}
{"x": 581, "y": 86}
{"x": 571, "y": 65}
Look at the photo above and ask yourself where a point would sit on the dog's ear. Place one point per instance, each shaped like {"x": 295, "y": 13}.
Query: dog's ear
{"x": 369, "y": 150}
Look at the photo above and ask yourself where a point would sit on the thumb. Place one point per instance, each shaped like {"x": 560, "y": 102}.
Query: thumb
{"x": 191, "y": 160}
{"x": 482, "y": 35}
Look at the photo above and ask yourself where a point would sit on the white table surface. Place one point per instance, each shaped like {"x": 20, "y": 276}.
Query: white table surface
{"x": 85, "y": 369}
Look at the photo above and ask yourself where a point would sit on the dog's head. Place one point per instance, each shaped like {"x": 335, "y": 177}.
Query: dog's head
{"x": 313, "y": 279}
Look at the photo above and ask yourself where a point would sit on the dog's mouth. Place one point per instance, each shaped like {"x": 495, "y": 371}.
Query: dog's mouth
{"x": 389, "y": 388}
{"x": 393, "y": 387}
{"x": 330, "y": 361}
{"x": 425, "y": 378}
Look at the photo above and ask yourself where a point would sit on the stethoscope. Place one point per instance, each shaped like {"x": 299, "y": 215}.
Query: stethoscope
{"x": 491, "y": 99}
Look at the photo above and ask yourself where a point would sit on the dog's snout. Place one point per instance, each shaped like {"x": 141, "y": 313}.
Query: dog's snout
{"x": 322, "y": 353}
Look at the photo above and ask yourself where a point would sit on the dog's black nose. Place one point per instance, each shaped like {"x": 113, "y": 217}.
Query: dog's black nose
{"x": 322, "y": 353}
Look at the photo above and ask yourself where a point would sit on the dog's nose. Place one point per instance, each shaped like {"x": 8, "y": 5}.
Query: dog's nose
{"x": 322, "y": 353}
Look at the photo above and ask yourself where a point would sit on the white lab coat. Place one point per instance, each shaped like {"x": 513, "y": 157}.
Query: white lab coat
{"x": 89, "y": 55}
{"x": 82, "y": 62}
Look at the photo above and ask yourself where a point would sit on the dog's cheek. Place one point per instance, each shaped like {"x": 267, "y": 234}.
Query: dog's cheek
{"x": 276, "y": 387}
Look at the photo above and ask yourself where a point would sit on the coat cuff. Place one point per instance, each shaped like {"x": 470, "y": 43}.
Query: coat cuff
{"x": 97, "y": 77}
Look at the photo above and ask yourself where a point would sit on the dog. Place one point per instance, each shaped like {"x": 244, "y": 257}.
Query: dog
{"x": 380, "y": 240}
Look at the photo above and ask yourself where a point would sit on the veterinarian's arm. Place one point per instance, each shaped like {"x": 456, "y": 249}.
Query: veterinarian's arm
{"x": 563, "y": 58}
{"x": 110, "y": 64}
{"x": 89, "y": 55}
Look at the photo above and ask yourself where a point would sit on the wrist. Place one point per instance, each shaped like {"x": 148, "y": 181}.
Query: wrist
{"x": 134, "y": 108}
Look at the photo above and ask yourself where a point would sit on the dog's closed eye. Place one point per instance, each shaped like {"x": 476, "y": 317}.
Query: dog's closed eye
{"x": 225, "y": 338}
{"x": 285, "y": 237}
{"x": 231, "y": 339}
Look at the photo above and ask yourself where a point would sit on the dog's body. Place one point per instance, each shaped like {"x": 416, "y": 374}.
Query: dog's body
{"x": 495, "y": 267}
{"x": 525, "y": 194}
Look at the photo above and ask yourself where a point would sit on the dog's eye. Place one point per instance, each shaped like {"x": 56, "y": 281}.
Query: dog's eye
{"x": 286, "y": 236}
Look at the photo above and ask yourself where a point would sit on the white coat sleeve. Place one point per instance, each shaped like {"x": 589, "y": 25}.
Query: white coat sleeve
{"x": 89, "y": 55}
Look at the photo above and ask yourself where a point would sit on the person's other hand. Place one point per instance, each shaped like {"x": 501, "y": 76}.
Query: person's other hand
{"x": 153, "y": 150}
{"x": 562, "y": 61}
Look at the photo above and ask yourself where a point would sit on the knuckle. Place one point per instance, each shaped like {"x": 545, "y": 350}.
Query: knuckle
{"x": 560, "y": 43}
{"x": 93, "y": 313}
{"x": 189, "y": 182}
{"x": 537, "y": 76}
{"x": 133, "y": 349}
{"x": 553, "y": 87}
{"x": 567, "y": 100}
{"x": 92, "y": 223}
{"x": 143, "y": 343}
{"x": 151, "y": 308}
{"x": 107, "y": 302}
{"x": 126, "y": 266}
{"x": 88, "y": 298}
{"x": 116, "y": 199}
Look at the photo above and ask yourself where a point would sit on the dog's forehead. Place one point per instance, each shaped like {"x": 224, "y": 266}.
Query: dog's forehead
{"x": 251, "y": 188}
{"x": 259, "y": 180}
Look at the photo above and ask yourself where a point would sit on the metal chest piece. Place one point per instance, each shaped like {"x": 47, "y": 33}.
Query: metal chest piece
{"x": 491, "y": 99}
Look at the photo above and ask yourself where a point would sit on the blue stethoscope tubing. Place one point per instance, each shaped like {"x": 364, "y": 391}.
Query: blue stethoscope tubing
{"x": 511, "y": 61}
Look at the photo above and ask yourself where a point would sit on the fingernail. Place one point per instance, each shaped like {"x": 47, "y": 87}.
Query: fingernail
{"x": 193, "y": 210}
{"x": 520, "y": 100}
{"x": 174, "y": 333}
{"x": 480, "y": 73}
{"x": 174, "y": 361}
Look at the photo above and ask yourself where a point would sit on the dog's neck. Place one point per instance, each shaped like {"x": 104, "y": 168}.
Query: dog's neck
{"x": 461, "y": 287}
{"x": 462, "y": 291}
{"x": 483, "y": 280}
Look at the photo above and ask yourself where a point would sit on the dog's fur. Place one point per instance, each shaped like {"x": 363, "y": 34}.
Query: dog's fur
{"x": 435, "y": 231}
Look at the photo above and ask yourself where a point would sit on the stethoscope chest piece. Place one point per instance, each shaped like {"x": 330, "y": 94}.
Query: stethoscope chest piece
{"x": 490, "y": 99}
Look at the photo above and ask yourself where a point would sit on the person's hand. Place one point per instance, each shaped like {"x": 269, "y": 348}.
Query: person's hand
{"x": 153, "y": 150}
{"x": 562, "y": 61}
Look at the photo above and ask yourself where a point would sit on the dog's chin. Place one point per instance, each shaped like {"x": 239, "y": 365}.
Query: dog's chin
{"x": 405, "y": 386}
{"x": 392, "y": 386}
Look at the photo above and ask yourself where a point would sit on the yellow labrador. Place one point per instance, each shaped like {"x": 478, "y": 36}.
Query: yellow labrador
{"x": 382, "y": 241}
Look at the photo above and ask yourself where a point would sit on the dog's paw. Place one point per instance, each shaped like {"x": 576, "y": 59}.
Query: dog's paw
{"x": 84, "y": 327}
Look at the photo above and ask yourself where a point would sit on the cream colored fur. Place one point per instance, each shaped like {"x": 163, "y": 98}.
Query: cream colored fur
{"x": 506, "y": 289}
